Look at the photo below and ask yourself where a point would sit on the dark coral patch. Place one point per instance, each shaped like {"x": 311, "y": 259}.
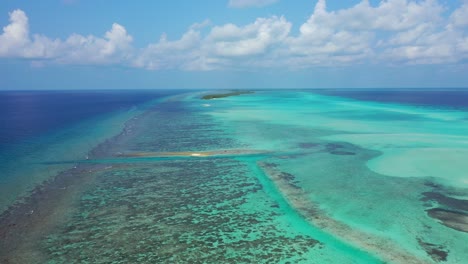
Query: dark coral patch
{"x": 446, "y": 201}
{"x": 453, "y": 219}
{"x": 340, "y": 149}
{"x": 437, "y": 252}
{"x": 333, "y": 146}
{"x": 454, "y": 212}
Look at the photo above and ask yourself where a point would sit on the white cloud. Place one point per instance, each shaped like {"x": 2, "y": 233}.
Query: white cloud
{"x": 201, "y": 25}
{"x": 429, "y": 47}
{"x": 222, "y": 45}
{"x": 115, "y": 47}
{"x": 392, "y": 32}
{"x": 16, "y": 35}
{"x": 167, "y": 54}
{"x": 232, "y": 41}
{"x": 250, "y": 3}
{"x": 459, "y": 17}
{"x": 432, "y": 41}
{"x": 16, "y": 42}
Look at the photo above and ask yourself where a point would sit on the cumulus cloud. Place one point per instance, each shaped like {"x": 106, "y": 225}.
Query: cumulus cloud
{"x": 250, "y": 3}
{"x": 114, "y": 47}
{"x": 219, "y": 48}
{"x": 355, "y": 34}
{"x": 391, "y": 32}
{"x": 459, "y": 18}
{"x": 394, "y": 31}
{"x": 15, "y": 41}
{"x": 166, "y": 54}
{"x": 232, "y": 41}
{"x": 15, "y": 36}
{"x": 391, "y": 15}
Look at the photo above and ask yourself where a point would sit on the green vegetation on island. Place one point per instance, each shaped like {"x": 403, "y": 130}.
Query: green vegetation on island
{"x": 221, "y": 95}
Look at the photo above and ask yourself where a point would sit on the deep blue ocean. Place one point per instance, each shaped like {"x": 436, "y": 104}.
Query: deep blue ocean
{"x": 28, "y": 114}
{"x": 441, "y": 98}
{"x": 40, "y": 126}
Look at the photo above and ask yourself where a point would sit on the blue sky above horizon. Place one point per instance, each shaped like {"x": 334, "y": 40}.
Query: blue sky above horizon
{"x": 222, "y": 44}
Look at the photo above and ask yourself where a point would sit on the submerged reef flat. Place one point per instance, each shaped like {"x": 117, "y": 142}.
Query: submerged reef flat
{"x": 271, "y": 177}
{"x": 196, "y": 211}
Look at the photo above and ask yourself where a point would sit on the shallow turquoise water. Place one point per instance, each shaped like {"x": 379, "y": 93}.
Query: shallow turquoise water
{"x": 306, "y": 178}
{"x": 369, "y": 167}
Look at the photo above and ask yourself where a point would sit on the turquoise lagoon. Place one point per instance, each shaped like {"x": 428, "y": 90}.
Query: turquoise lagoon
{"x": 268, "y": 177}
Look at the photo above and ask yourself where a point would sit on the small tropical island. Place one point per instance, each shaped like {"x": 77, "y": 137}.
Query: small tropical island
{"x": 222, "y": 95}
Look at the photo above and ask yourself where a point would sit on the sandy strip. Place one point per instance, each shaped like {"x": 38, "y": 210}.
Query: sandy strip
{"x": 212, "y": 153}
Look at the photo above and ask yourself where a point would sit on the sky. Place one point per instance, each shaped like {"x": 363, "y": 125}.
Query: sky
{"x": 233, "y": 44}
